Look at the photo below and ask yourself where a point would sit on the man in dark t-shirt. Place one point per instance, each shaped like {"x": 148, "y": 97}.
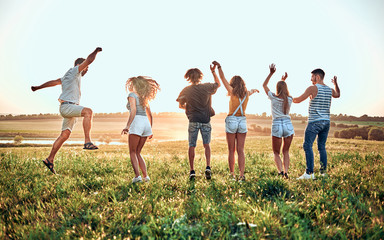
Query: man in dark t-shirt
{"x": 196, "y": 100}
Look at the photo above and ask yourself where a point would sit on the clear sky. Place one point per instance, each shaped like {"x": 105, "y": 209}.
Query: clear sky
{"x": 40, "y": 39}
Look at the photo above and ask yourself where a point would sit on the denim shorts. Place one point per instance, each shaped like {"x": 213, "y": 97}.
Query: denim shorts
{"x": 236, "y": 124}
{"x": 70, "y": 112}
{"x": 140, "y": 126}
{"x": 193, "y": 130}
{"x": 282, "y": 128}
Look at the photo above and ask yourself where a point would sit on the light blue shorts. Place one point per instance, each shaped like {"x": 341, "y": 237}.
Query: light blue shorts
{"x": 70, "y": 112}
{"x": 140, "y": 126}
{"x": 236, "y": 124}
{"x": 282, "y": 128}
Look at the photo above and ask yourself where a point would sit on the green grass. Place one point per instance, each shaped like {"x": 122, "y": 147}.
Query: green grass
{"x": 93, "y": 196}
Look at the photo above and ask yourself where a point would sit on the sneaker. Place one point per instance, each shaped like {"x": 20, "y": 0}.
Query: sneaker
{"x": 307, "y": 176}
{"x": 242, "y": 179}
{"x": 232, "y": 177}
{"x": 208, "y": 173}
{"x": 286, "y": 176}
{"x": 137, "y": 179}
{"x": 281, "y": 174}
{"x": 192, "y": 175}
{"x": 147, "y": 179}
{"x": 324, "y": 174}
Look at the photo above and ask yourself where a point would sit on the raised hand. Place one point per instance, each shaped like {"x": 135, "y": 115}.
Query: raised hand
{"x": 272, "y": 68}
{"x": 33, "y": 88}
{"x": 212, "y": 67}
{"x": 216, "y": 64}
{"x": 284, "y": 76}
{"x": 334, "y": 80}
{"x": 98, "y": 49}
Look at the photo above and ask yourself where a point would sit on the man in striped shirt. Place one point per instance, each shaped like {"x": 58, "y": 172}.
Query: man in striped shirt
{"x": 318, "y": 120}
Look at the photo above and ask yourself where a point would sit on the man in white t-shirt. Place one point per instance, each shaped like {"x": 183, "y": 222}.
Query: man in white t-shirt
{"x": 69, "y": 105}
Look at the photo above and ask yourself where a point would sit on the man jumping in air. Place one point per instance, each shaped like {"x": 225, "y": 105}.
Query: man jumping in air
{"x": 69, "y": 105}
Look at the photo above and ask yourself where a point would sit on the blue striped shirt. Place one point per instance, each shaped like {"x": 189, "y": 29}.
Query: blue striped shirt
{"x": 319, "y": 107}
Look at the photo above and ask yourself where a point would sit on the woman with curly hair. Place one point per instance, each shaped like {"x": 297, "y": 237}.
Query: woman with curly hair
{"x": 236, "y": 122}
{"x": 139, "y": 126}
{"x": 282, "y": 128}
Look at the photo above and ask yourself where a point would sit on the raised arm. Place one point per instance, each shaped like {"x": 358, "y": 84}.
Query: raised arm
{"x": 336, "y": 91}
{"x": 89, "y": 59}
{"x": 272, "y": 70}
{"x": 132, "y": 114}
{"x": 222, "y": 77}
{"x": 309, "y": 92}
{"x": 213, "y": 68}
{"x": 51, "y": 83}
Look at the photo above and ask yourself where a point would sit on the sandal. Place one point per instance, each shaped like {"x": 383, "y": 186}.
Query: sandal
{"x": 90, "y": 146}
{"x": 49, "y": 165}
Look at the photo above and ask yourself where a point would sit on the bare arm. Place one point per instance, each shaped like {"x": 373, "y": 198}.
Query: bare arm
{"x": 272, "y": 70}
{"x": 252, "y": 91}
{"x": 336, "y": 91}
{"x": 222, "y": 77}
{"x": 309, "y": 92}
{"x": 51, "y": 83}
{"x": 89, "y": 59}
{"x": 132, "y": 114}
{"x": 213, "y": 67}
{"x": 149, "y": 114}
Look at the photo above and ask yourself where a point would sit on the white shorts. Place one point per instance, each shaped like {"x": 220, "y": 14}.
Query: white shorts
{"x": 236, "y": 124}
{"x": 70, "y": 112}
{"x": 141, "y": 126}
{"x": 282, "y": 128}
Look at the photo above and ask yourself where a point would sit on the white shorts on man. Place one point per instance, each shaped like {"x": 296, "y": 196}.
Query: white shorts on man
{"x": 141, "y": 126}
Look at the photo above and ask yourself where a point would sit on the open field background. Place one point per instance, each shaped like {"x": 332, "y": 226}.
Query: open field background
{"x": 164, "y": 128}
{"x": 93, "y": 196}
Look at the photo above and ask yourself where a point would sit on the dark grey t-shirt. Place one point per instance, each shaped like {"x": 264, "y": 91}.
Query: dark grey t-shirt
{"x": 198, "y": 101}
{"x": 140, "y": 110}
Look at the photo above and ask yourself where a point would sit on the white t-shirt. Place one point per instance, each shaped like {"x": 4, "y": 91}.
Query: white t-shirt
{"x": 277, "y": 106}
{"x": 70, "y": 86}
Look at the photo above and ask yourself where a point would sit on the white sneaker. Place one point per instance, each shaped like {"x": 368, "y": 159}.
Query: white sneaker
{"x": 307, "y": 176}
{"x": 147, "y": 179}
{"x": 137, "y": 179}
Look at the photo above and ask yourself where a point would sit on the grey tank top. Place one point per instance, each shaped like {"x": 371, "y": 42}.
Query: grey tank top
{"x": 140, "y": 110}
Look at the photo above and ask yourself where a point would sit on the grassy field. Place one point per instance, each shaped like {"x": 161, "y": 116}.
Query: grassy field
{"x": 92, "y": 197}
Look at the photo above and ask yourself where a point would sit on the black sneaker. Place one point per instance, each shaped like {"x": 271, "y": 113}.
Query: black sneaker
{"x": 192, "y": 175}
{"x": 208, "y": 173}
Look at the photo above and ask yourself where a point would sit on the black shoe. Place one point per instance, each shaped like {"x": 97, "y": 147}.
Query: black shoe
{"x": 281, "y": 174}
{"x": 208, "y": 173}
{"x": 286, "y": 176}
{"x": 49, "y": 165}
{"x": 192, "y": 175}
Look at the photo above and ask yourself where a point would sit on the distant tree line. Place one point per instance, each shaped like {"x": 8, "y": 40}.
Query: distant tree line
{"x": 294, "y": 116}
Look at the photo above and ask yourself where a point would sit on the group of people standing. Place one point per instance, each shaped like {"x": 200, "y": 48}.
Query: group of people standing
{"x": 196, "y": 100}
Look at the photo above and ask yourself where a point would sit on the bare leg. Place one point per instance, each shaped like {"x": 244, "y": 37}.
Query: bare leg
{"x": 207, "y": 149}
{"x": 87, "y": 114}
{"x": 191, "y": 156}
{"x": 58, "y": 143}
{"x": 286, "y": 146}
{"x": 231, "y": 141}
{"x": 240, "y": 152}
{"x": 276, "y": 146}
{"x": 142, "y": 165}
{"x": 133, "y": 142}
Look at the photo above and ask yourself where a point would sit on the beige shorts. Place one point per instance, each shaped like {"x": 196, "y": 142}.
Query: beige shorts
{"x": 70, "y": 112}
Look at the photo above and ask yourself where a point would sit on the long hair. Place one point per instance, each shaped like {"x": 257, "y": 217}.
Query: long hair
{"x": 238, "y": 87}
{"x": 145, "y": 87}
{"x": 282, "y": 92}
{"x": 193, "y": 75}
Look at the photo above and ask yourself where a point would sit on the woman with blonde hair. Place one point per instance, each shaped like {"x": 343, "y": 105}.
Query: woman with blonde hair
{"x": 282, "y": 127}
{"x": 139, "y": 126}
{"x": 236, "y": 122}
